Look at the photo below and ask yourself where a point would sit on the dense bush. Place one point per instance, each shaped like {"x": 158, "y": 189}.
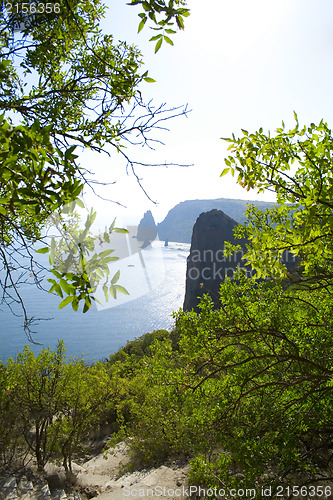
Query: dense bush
{"x": 247, "y": 394}
{"x": 11, "y": 428}
{"x": 49, "y": 404}
{"x": 139, "y": 347}
{"x": 263, "y": 366}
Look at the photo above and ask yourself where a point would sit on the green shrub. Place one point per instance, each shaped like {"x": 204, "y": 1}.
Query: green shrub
{"x": 10, "y": 426}
{"x": 52, "y": 403}
{"x": 139, "y": 347}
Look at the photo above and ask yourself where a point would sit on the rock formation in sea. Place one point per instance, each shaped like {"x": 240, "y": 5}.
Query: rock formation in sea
{"x": 207, "y": 266}
{"x": 147, "y": 230}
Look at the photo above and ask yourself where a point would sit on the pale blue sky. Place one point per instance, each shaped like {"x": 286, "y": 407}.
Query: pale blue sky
{"x": 238, "y": 64}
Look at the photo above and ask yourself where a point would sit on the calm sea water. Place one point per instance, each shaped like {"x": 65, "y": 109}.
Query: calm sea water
{"x": 156, "y": 282}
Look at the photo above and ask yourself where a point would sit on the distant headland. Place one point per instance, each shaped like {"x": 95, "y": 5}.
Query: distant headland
{"x": 179, "y": 222}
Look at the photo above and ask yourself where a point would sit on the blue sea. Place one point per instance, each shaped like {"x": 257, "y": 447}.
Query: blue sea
{"x": 155, "y": 280}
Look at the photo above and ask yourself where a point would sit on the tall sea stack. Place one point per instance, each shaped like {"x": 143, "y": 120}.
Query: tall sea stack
{"x": 207, "y": 267}
{"x": 147, "y": 230}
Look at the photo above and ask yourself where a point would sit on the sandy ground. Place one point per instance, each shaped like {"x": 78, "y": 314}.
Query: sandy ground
{"x": 105, "y": 480}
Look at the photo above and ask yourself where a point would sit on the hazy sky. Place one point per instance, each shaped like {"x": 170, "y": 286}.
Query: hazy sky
{"x": 238, "y": 64}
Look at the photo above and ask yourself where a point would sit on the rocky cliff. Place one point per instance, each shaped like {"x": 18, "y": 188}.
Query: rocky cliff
{"x": 206, "y": 265}
{"x": 178, "y": 224}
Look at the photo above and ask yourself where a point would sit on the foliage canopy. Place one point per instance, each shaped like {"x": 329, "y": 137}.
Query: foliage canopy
{"x": 296, "y": 164}
{"x": 65, "y": 86}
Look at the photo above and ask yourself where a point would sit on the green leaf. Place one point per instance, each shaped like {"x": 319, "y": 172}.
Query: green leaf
{"x": 56, "y": 288}
{"x": 180, "y": 22}
{"x": 105, "y": 253}
{"x": 66, "y": 301}
{"x": 69, "y": 151}
{"x": 156, "y": 37}
{"x": 224, "y": 171}
{"x": 152, "y": 17}
{"x": 110, "y": 259}
{"x": 113, "y": 291}
{"x": 79, "y": 203}
{"x": 112, "y": 225}
{"x": 158, "y": 45}
{"x": 87, "y": 304}
{"x": 75, "y": 303}
{"x": 149, "y": 80}
{"x": 168, "y": 40}
{"x": 66, "y": 287}
{"x": 115, "y": 278}
{"x": 43, "y": 250}
{"x": 121, "y": 289}
{"x": 141, "y": 24}
{"x": 106, "y": 294}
